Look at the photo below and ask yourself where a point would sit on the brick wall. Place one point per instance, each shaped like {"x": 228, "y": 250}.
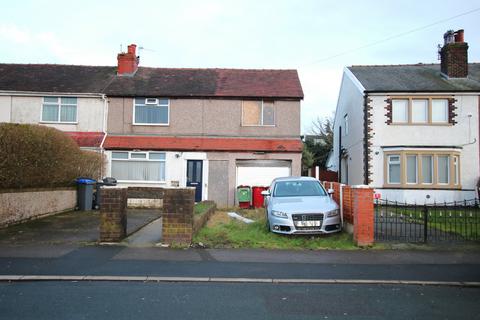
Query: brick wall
{"x": 358, "y": 210}
{"x": 177, "y": 225}
{"x": 363, "y": 217}
{"x": 113, "y": 214}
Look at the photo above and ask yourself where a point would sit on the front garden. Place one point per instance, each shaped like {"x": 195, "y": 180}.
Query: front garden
{"x": 222, "y": 231}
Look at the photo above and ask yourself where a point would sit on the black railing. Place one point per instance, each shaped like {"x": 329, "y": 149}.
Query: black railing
{"x": 453, "y": 221}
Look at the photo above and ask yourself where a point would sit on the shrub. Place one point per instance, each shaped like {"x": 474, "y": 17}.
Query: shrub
{"x": 37, "y": 156}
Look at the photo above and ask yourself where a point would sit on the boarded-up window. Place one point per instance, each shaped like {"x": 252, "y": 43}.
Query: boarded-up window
{"x": 258, "y": 113}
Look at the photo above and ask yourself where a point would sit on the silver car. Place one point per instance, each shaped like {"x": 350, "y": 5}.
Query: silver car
{"x": 300, "y": 205}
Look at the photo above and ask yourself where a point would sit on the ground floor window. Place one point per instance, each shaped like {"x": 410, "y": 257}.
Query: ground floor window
{"x": 422, "y": 169}
{"x": 138, "y": 166}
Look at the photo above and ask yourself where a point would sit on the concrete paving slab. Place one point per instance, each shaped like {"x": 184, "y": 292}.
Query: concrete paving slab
{"x": 149, "y": 235}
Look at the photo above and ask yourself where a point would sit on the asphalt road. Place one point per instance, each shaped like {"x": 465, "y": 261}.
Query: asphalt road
{"x": 122, "y": 300}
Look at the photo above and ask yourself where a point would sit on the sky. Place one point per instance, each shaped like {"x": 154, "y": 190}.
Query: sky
{"x": 318, "y": 38}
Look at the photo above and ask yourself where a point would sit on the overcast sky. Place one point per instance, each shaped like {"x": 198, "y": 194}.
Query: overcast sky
{"x": 311, "y": 36}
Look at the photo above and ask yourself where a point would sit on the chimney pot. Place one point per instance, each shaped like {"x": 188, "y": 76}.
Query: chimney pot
{"x": 459, "y": 36}
{"x": 132, "y": 48}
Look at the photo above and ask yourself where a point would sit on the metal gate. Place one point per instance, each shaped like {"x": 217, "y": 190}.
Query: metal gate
{"x": 402, "y": 222}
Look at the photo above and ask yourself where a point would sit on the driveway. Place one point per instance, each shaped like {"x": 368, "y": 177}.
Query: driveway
{"x": 75, "y": 227}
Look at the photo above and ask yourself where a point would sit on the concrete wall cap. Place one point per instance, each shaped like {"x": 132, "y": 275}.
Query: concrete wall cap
{"x": 361, "y": 186}
{"x": 114, "y": 187}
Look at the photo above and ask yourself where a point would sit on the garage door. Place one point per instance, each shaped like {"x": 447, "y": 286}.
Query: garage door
{"x": 261, "y": 172}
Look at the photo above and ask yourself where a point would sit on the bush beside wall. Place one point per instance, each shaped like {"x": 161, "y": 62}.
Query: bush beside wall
{"x": 34, "y": 156}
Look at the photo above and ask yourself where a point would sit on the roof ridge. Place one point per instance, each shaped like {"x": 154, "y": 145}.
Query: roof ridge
{"x": 397, "y": 65}
{"x": 236, "y": 69}
{"x": 55, "y": 64}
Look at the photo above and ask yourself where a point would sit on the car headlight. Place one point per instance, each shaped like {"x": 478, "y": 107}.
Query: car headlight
{"x": 332, "y": 213}
{"x": 280, "y": 214}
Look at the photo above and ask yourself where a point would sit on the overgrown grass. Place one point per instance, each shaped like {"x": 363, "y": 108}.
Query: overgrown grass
{"x": 202, "y": 207}
{"x": 230, "y": 233}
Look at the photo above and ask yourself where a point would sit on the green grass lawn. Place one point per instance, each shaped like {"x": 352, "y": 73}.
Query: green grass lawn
{"x": 224, "y": 232}
{"x": 202, "y": 207}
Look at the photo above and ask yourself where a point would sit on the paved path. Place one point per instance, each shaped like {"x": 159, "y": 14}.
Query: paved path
{"x": 149, "y": 235}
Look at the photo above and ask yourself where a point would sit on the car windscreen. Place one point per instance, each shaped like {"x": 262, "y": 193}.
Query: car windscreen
{"x": 298, "y": 189}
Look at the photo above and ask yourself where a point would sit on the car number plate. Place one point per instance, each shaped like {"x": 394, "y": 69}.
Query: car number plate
{"x": 308, "y": 223}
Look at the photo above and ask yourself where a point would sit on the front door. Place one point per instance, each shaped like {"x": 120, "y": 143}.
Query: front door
{"x": 194, "y": 177}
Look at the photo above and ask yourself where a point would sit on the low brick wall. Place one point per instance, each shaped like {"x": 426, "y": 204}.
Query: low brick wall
{"x": 19, "y": 205}
{"x": 177, "y": 224}
{"x": 113, "y": 214}
{"x": 199, "y": 222}
{"x": 356, "y": 203}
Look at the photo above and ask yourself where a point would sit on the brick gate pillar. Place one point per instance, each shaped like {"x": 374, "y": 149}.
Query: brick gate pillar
{"x": 113, "y": 214}
{"x": 177, "y": 223}
{"x": 363, "y": 215}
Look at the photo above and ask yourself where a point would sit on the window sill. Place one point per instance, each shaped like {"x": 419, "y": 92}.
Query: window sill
{"x": 258, "y": 125}
{"x": 152, "y": 124}
{"x": 423, "y": 186}
{"x": 413, "y": 124}
{"x": 57, "y": 122}
{"x": 141, "y": 181}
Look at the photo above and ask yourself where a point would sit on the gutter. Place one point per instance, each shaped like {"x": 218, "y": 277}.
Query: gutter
{"x": 48, "y": 94}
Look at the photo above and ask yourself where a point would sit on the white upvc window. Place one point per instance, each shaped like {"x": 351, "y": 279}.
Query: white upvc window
{"x": 400, "y": 111}
{"x": 419, "y": 110}
{"x": 439, "y": 111}
{"x": 258, "y": 113}
{"x": 151, "y": 111}
{"x": 393, "y": 169}
{"x": 59, "y": 110}
{"x": 412, "y": 169}
{"x": 427, "y": 168}
{"x": 456, "y": 171}
{"x": 443, "y": 169}
{"x": 138, "y": 166}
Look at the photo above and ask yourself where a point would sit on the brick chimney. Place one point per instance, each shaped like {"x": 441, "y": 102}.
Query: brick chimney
{"x": 454, "y": 55}
{"x": 128, "y": 61}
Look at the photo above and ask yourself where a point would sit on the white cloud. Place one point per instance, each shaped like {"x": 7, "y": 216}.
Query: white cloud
{"x": 14, "y": 34}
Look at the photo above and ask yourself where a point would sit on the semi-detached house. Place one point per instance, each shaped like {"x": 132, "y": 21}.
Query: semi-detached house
{"x": 213, "y": 129}
{"x": 411, "y": 131}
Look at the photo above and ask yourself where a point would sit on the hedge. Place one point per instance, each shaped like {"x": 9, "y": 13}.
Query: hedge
{"x": 33, "y": 156}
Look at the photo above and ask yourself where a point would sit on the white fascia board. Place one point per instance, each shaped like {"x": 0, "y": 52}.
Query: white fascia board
{"x": 406, "y": 93}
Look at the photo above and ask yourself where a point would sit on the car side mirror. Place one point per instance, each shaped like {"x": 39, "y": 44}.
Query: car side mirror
{"x": 331, "y": 191}
{"x": 265, "y": 193}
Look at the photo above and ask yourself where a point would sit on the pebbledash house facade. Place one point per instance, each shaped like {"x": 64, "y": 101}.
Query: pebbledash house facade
{"x": 212, "y": 129}
{"x": 411, "y": 131}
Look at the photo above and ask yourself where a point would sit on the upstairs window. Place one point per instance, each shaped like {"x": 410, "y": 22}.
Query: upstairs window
{"x": 59, "y": 109}
{"x": 439, "y": 111}
{"x": 400, "y": 111}
{"x": 258, "y": 113}
{"x": 418, "y": 110}
{"x": 151, "y": 111}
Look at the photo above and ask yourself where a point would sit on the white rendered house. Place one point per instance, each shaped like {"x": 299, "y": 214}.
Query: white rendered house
{"x": 411, "y": 131}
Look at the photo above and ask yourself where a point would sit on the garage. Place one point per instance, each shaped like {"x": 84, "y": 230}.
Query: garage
{"x": 261, "y": 172}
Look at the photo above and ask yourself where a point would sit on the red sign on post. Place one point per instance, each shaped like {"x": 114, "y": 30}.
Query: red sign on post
{"x": 377, "y": 195}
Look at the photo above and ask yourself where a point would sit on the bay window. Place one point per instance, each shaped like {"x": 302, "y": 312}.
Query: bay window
{"x": 422, "y": 169}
